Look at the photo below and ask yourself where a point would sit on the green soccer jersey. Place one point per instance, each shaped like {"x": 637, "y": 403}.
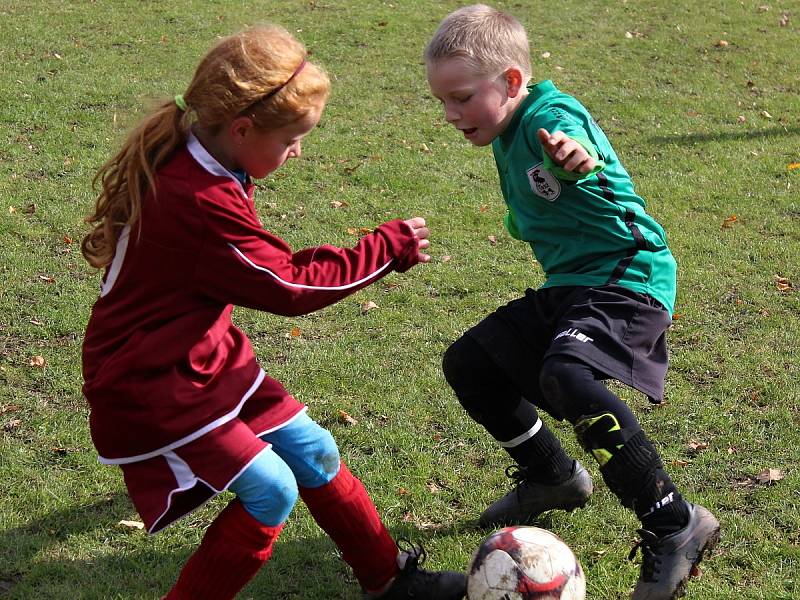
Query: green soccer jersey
{"x": 585, "y": 230}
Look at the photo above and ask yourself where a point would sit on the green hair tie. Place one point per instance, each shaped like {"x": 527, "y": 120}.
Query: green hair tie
{"x": 180, "y": 102}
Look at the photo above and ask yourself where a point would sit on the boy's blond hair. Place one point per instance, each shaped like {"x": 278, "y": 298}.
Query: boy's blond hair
{"x": 488, "y": 40}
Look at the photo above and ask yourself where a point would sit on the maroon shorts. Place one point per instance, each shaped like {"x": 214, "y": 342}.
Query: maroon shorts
{"x": 168, "y": 486}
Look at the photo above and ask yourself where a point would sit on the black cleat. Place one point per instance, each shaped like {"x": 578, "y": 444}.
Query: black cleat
{"x": 419, "y": 584}
{"x": 668, "y": 561}
{"x": 528, "y": 499}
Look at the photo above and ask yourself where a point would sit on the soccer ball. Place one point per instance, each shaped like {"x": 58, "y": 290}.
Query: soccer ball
{"x": 525, "y": 563}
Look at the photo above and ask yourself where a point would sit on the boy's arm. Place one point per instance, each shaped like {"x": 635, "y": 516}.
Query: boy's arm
{"x": 245, "y": 265}
{"x": 569, "y": 158}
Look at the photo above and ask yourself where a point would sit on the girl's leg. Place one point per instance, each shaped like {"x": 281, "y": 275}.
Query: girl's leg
{"x": 240, "y": 539}
{"x": 339, "y": 503}
{"x": 337, "y": 500}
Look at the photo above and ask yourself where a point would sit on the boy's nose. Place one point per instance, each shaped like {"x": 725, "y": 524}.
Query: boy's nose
{"x": 451, "y": 116}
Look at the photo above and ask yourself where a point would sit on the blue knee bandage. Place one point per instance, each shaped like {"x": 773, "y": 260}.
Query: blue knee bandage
{"x": 267, "y": 489}
{"x": 308, "y": 449}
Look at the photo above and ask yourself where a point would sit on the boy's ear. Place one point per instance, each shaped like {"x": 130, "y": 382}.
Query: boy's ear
{"x": 513, "y": 81}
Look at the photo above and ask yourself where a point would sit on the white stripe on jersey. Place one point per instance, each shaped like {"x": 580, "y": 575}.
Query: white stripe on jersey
{"x": 126, "y": 460}
{"x": 116, "y": 264}
{"x": 309, "y": 287}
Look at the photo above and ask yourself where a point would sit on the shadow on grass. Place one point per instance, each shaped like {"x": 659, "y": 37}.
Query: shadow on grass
{"x": 695, "y": 138}
{"x": 31, "y": 565}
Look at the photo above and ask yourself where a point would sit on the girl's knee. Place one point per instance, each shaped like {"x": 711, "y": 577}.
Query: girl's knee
{"x": 267, "y": 489}
{"x": 323, "y": 461}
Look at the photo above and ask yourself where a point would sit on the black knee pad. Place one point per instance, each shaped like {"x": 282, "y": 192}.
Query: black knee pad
{"x": 564, "y": 382}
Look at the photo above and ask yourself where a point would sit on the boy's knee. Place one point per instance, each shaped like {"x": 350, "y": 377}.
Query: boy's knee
{"x": 285, "y": 497}
{"x": 326, "y": 457}
{"x": 465, "y": 364}
{"x": 564, "y": 381}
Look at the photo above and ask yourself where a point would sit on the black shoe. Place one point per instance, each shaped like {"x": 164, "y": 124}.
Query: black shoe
{"x": 528, "y": 499}
{"x": 417, "y": 583}
{"x": 668, "y": 561}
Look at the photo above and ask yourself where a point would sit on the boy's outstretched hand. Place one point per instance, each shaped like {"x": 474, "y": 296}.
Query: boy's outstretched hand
{"x": 566, "y": 152}
{"x": 421, "y": 232}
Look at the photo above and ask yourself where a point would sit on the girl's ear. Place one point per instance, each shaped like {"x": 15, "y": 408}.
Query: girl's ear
{"x": 513, "y": 81}
{"x": 238, "y": 129}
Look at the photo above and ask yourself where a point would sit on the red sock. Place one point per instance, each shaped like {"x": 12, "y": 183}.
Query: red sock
{"x": 344, "y": 510}
{"x": 233, "y": 549}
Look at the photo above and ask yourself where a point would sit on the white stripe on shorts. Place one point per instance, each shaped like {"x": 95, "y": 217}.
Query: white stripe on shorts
{"x": 525, "y": 436}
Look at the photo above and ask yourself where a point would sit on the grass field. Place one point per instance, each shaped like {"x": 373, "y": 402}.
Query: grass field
{"x": 701, "y": 102}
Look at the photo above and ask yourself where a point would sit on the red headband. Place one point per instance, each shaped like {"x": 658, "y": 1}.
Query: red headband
{"x": 285, "y": 83}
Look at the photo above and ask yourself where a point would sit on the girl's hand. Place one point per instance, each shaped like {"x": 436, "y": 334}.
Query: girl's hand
{"x": 566, "y": 152}
{"x": 421, "y": 232}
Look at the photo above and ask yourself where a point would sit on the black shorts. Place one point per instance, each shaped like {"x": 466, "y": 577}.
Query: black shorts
{"x": 617, "y": 331}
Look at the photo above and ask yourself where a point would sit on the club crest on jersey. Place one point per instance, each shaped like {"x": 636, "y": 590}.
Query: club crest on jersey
{"x": 543, "y": 183}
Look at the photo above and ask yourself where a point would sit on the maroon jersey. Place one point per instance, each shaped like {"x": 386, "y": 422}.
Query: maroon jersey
{"x": 163, "y": 364}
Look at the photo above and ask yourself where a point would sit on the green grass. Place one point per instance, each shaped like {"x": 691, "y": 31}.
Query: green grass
{"x": 76, "y": 75}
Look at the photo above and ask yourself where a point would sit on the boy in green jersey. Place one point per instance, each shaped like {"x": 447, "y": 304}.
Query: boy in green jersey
{"x": 602, "y": 312}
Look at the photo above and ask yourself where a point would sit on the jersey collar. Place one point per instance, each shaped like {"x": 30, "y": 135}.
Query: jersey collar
{"x": 211, "y": 164}
{"x": 536, "y": 92}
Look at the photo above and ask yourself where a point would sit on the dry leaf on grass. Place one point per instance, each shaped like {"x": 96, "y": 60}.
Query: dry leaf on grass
{"x": 492, "y": 240}
{"x": 346, "y": 418}
{"x": 368, "y": 306}
{"x": 783, "y": 284}
{"x": 37, "y": 362}
{"x": 769, "y": 476}
{"x": 131, "y": 524}
{"x": 728, "y": 222}
{"x": 12, "y": 424}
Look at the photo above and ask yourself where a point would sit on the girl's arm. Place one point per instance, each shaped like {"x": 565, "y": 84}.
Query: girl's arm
{"x": 243, "y": 264}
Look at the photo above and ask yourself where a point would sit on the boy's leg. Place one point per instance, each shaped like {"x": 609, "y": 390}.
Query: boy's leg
{"x": 340, "y": 504}
{"x": 609, "y": 430}
{"x": 548, "y": 477}
{"x": 675, "y": 533}
{"x": 491, "y": 399}
{"x": 240, "y": 539}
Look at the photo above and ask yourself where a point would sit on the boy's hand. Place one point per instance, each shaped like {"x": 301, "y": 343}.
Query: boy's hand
{"x": 566, "y": 152}
{"x": 421, "y": 232}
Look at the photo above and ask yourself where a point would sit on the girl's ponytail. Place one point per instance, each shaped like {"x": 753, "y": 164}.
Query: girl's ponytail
{"x": 124, "y": 179}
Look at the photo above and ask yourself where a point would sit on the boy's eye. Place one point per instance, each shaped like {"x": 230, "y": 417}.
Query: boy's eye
{"x": 463, "y": 99}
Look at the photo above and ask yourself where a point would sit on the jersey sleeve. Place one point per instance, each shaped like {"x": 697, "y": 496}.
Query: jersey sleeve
{"x": 245, "y": 265}
{"x": 555, "y": 118}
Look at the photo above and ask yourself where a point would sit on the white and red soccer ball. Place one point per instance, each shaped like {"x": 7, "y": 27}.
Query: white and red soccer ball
{"x": 525, "y": 563}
